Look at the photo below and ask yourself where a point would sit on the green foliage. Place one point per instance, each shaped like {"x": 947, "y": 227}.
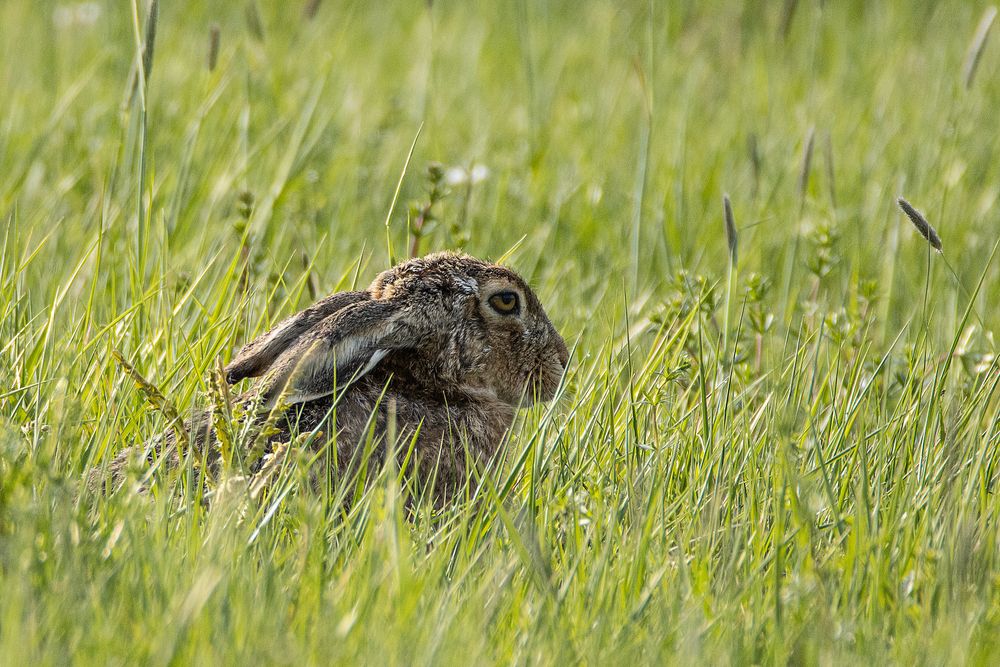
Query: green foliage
{"x": 791, "y": 460}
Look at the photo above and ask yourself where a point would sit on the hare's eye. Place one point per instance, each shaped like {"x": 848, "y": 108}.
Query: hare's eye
{"x": 504, "y": 303}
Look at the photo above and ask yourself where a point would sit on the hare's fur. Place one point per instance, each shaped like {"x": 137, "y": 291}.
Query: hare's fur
{"x": 421, "y": 354}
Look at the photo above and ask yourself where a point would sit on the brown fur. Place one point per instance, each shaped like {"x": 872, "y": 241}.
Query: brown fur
{"x": 449, "y": 370}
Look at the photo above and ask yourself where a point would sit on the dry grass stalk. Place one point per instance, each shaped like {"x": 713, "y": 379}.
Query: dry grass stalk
{"x": 157, "y": 400}
{"x": 977, "y": 45}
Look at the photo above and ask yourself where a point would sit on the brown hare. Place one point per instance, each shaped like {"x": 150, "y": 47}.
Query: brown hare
{"x": 440, "y": 350}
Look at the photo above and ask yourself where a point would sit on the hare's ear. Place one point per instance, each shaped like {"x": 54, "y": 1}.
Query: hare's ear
{"x": 339, "y": 350}
{"x": 257, "y": 356}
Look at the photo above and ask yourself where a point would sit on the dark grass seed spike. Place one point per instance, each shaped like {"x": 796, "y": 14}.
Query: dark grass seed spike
{"x": 831, "y": 179}
{"x": 920, "y": 222}
{"x": 255, "y": 24}
{"x": 753, "y": 151}
{"x": 309, "y": 11}
{"x": 141, "y": 71}
{"x": 731, "y": 238}
{"x": 787, "y": 16}
{"x": 213, "y": 46}
{"x": 147, "y": 51}
{"x": 807, "y": 154}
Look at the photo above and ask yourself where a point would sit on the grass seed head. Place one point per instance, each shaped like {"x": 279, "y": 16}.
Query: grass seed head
{"x": 831, "y": 179}
{"x": 254, "y": 22}
{"x": 807, "y": 154}
{"x": 213, "y": 46}
{"x": 147, "y": 51}
{"x": 787, "y": 16}
{"x": 753, "y": 152}
{"x": 310, "y": 10}
{"x": 920, "y": 222}
{"x": 731, "y": 238}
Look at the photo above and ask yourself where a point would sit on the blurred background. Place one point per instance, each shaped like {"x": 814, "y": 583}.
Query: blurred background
{"x": 604, "y": 134}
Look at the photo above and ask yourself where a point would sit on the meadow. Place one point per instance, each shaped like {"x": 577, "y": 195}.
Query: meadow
{"x": 778, "y": 440}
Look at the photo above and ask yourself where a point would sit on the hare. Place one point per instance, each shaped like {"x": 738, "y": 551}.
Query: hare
{"x": 440, "y": 351}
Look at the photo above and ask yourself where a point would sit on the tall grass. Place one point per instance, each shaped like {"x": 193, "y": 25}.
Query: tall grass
{"x": 800, "y": 468}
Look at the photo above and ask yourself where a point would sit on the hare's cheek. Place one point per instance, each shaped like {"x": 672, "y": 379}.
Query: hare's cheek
{"x": 531, "y": 388}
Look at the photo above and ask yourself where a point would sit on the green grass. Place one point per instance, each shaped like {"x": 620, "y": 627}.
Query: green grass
{"x": 821, "y": 487}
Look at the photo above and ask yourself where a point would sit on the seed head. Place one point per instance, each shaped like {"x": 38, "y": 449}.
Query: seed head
{"x": 920, "y": 222}
{"x": 213, "y": 46}
{"x": 731, "y": 239}
{"x": 150, "y": 41}
{"x": 807, "y": 155}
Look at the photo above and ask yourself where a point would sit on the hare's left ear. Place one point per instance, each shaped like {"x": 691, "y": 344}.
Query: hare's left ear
{"x": 257, "y": 356}
{"x": 339, "y": 350}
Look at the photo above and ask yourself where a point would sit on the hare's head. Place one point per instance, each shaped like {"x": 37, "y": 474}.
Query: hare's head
{"x": 448, "y": 322}
{"x": 481, "y": 328}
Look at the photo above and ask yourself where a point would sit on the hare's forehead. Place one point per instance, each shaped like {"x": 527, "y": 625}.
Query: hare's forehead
{"x": 470, "y": 278}
{"x": 494, "y": 277}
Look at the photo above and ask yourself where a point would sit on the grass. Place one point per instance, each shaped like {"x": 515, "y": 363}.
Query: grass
{"x": 819, "y": 488}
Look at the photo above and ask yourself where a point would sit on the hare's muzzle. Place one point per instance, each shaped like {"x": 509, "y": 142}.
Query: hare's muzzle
{"x": 546, "y": 378}
{"x": 561, "y": 352}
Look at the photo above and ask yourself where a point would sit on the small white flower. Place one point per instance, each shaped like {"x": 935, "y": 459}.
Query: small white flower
{"x": 463, "y": 176}
{"x": 78, "y": 14}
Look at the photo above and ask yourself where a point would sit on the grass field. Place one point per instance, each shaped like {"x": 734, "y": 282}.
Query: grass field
{"x": 788, "y": 453}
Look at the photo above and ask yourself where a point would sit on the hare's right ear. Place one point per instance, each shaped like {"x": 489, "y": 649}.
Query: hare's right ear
{"x": 257, "y": 357}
